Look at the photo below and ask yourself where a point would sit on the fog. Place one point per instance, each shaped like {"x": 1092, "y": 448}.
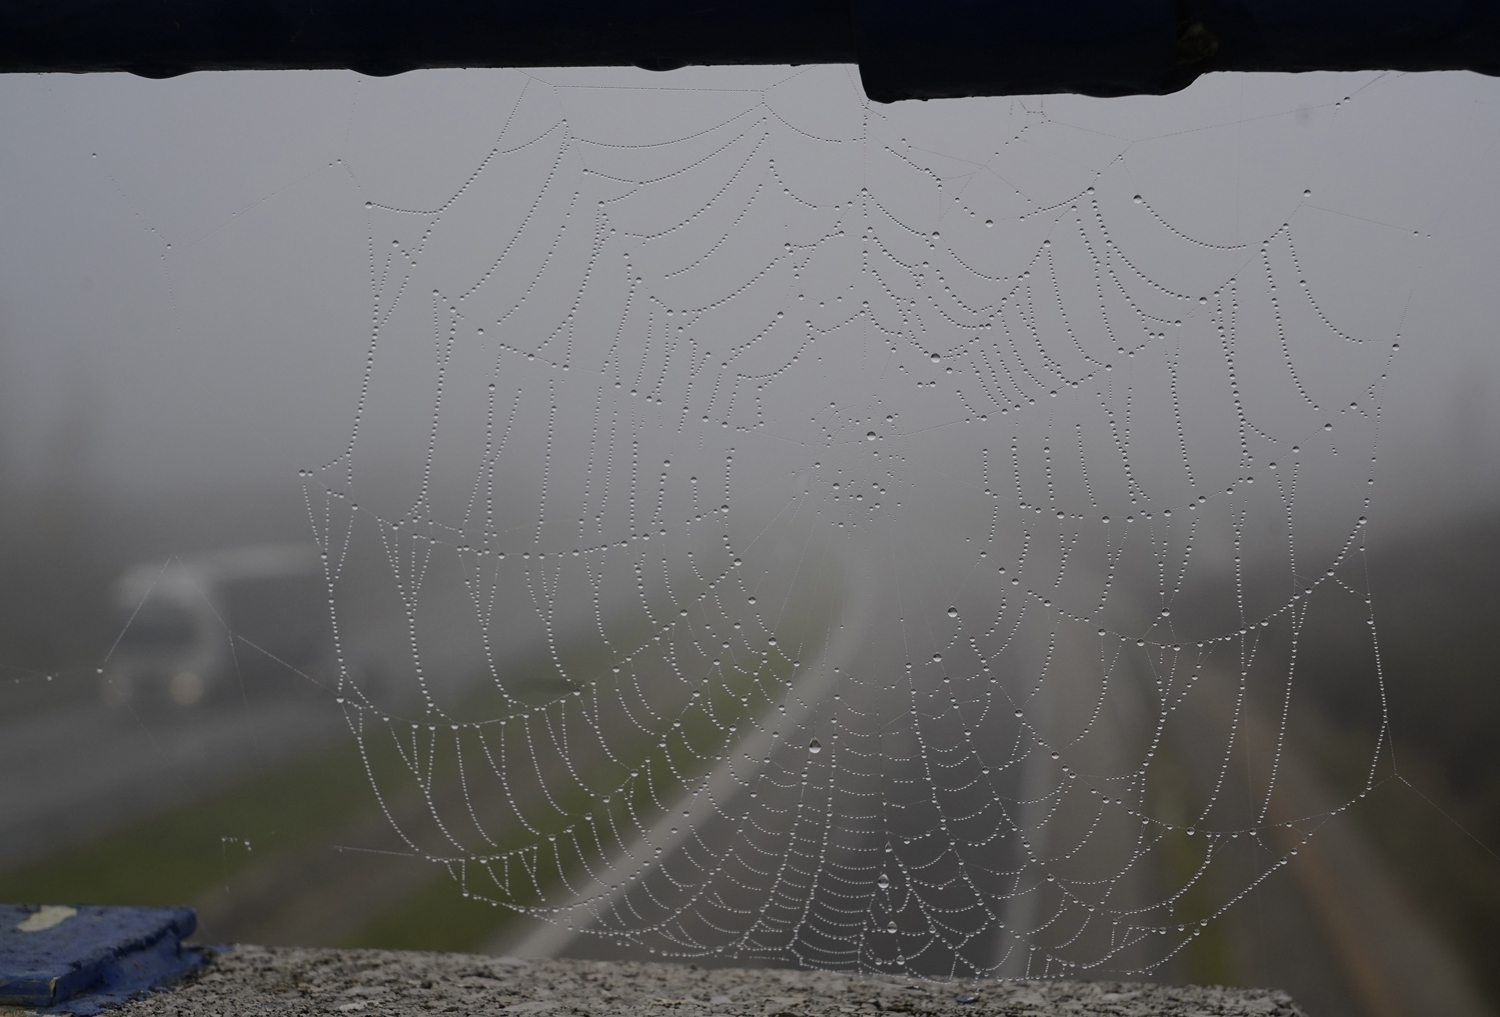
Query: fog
{"x": 713, "y": 334}
{"x": 193, "y": 296}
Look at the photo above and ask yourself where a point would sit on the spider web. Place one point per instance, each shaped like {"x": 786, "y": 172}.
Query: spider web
{"x": 882, "y": 537}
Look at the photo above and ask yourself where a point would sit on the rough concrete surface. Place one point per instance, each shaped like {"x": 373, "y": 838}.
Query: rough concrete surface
{"x": 251, "y": 981}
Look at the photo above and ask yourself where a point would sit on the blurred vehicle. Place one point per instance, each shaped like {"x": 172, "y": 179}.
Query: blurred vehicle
{"x": 241, "y": 622}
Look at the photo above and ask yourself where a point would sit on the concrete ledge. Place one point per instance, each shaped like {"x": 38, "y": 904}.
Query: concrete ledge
{"x": 251, "y": 981}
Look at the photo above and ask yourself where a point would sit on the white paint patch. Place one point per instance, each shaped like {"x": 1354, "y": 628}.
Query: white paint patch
{"x": 46, "y": 917}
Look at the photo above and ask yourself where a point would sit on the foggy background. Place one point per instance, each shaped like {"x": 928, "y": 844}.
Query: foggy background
{"x": 191, "y": 270}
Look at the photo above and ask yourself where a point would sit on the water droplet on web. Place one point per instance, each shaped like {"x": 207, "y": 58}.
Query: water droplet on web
{"x": 626, "y": 452}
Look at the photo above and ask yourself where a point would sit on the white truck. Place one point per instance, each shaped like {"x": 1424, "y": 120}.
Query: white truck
{"x": 242, "y": 622}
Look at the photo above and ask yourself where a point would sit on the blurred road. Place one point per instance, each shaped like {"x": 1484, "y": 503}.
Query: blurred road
{"x": 1337, "y": 930}
{"x": 724, "y": 791}
{"x": 76, "y": 772}
{"x": 881, "y": 804}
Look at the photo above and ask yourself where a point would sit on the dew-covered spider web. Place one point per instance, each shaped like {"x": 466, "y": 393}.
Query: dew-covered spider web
{"x": 860, "y": 537}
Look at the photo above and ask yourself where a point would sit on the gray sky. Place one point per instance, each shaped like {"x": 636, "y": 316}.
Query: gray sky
{"x": 196, "y": 267}
{"x": 234, "y": 354}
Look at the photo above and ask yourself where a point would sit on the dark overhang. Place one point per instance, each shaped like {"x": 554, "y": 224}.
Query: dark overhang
{"x": 905, "y": 49}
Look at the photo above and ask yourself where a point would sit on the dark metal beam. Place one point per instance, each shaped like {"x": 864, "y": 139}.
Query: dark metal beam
{"x": 905, "y": 48}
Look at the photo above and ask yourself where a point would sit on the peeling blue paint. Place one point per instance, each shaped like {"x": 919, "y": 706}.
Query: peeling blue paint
{"x": 86, "y": 959}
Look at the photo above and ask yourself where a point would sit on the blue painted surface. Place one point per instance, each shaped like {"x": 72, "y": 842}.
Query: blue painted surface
{"x": 94, "y": 959}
